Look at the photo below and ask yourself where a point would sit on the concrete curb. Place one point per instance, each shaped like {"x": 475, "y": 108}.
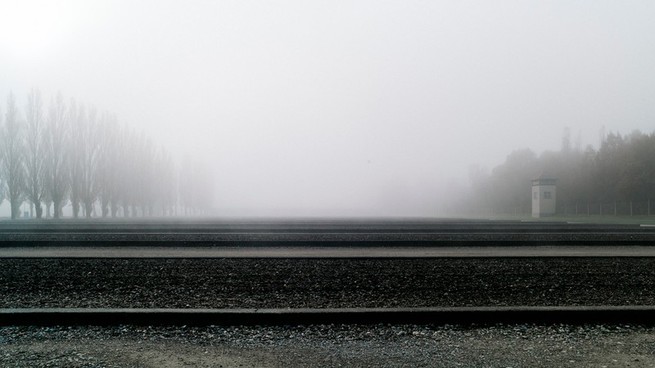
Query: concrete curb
{"x": 337, "y": 252}
{"x": 455, "y": 315}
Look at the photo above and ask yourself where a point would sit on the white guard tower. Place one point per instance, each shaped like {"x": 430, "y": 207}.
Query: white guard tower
{"x": 543, "y": 196}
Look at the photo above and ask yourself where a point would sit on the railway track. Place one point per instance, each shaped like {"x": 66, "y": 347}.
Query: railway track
{"x": 619, "y": 269}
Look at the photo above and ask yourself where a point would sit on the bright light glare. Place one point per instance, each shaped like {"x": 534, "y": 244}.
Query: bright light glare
{"x": 30, "y": 30}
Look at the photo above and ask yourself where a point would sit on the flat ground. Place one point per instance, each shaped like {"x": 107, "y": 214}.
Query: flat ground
{"x": 578, "y": 219}
{"x": 329, "y": 346}
{"x": 293, "y": 277}
{"x": 324, "y": 282}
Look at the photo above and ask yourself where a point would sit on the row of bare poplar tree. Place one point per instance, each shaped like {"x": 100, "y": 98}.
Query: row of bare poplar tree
{"x": 68, "y": 154}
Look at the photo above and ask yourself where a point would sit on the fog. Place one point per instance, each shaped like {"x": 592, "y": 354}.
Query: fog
{"x": 357, "y": 108}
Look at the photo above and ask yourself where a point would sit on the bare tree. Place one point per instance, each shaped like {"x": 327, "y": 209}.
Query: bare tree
{"x": 90, "y": 157}
{"x": 56, "y": 155}
{"x": 123, "y": 171}
{"x": 186, "y": 186}
{"x": 108, "y": 174}
{"x": 35, "y": 151}
{"x": 73, "y": 153}
{"x": 3, "y": 190}
{"x": 76, "y": 118}
{"x": 13, "y": 163}
{"x": 164, "y": 183}
{"x": 104, "y": 173}
{"x": 145, "y": 176}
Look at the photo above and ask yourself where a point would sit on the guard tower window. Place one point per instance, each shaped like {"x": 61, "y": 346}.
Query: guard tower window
{"x": 547, "y": 195}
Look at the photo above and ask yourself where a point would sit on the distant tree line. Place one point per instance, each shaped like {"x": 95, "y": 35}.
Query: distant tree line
{"x": 69, "y": 154}
{"x": 621, "y": 170}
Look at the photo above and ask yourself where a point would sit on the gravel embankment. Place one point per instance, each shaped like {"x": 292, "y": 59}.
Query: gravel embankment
{"x": 329, "y": 346}
{"x": 323, "y": 283}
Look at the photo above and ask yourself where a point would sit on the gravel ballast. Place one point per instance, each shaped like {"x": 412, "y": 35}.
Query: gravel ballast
{"x": 329, "y": 346}
{"x": 325, "y": 283}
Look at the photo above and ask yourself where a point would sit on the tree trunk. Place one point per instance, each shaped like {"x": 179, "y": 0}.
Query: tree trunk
{"x": 88, "y": 207}
{"x": 56, "y": 207}
{"x": 76, "y": 208}
{"x": 15, "y": 208}
{"x": 104, "y": 207}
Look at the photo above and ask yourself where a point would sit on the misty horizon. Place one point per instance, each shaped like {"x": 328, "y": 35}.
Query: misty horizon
{"x": 357, "y": 109}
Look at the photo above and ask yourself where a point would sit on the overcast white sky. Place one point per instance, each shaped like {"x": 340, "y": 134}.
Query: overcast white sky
{"x": 341, "y": 107}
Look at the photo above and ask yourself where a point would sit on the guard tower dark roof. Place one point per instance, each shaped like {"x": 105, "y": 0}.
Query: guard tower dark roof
{"x": 544, "y": 179}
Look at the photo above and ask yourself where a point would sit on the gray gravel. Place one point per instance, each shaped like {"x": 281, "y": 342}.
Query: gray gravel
{"x": 329, "y": 346}
{"x": 225, "y": 283}
{"x": 325, "y": 283}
